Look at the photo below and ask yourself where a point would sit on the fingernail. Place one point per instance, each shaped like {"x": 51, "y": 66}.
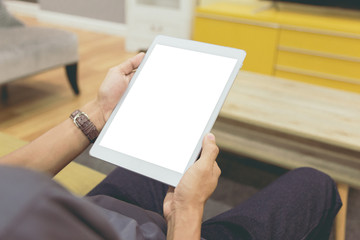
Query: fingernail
{"x": 211, "y": 136}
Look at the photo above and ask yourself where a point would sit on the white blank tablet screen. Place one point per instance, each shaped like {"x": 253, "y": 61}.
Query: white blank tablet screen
{"x": 165, "y": 112}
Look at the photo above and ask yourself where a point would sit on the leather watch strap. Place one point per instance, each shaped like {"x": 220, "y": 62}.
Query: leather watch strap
{"x": 83, "y": 122}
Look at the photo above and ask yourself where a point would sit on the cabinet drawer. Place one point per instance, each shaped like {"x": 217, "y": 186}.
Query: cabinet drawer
{"x": 260, "y": 54}
{"x": 333, "y": 44}
{"x": 339, "y": 67}
{"x": 352, "y": 87}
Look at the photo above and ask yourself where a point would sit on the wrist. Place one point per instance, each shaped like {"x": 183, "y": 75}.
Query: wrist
{"x": 95, "y": 113}
{"x": 185, "y": 223}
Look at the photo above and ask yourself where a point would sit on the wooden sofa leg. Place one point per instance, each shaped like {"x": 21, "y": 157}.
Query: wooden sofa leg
{"x": 4, "y": 93}
{"x": 71, "y": 72}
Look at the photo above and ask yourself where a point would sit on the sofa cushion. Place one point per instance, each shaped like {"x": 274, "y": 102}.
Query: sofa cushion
{"x": 28, "y": 50}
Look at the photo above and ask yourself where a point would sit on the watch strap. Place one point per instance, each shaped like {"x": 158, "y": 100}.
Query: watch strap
{"x": 82, "y": 121}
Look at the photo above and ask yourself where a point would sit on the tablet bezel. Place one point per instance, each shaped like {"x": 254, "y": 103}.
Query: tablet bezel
{"x": 157, "y": 172}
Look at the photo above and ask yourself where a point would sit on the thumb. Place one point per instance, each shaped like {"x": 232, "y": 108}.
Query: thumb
{"x": 209, "y": 148}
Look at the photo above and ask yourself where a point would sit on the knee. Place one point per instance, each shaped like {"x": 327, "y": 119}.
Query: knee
{"x": 317, "y": 184}
{"x": 312, "y": 175}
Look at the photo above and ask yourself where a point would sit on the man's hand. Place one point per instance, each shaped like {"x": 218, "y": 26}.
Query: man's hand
{"x": 115, "y": 84}
{"x": 184, "y": 205}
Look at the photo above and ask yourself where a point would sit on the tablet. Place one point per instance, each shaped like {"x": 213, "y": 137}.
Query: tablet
{"x": 171, "y": 103}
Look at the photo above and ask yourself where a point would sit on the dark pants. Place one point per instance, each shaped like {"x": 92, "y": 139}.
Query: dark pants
{"x": 301, "y": 204}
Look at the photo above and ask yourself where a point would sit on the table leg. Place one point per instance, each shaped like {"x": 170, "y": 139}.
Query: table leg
{"x": 340, "y": 220}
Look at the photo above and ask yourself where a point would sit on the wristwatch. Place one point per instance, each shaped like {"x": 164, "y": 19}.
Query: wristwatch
{"x": 83, "y": 122}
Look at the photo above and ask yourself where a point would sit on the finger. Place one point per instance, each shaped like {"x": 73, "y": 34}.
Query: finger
{"x": 209, "y": 149}
{"x": 217, "y": 169}
{"x": 129, "y": 77}
{"x": 131, "y": 64}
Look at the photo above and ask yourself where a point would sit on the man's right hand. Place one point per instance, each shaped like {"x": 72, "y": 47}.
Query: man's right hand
{"x": 184, "y": 205}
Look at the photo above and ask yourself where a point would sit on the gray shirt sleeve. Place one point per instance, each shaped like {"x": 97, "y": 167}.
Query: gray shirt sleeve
{"x": 32, "y": 206}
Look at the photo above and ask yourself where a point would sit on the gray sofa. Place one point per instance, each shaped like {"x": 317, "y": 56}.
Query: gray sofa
{"x": 26, "y": 51}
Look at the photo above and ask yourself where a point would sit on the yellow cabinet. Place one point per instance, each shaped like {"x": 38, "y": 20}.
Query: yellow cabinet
{"x": 331, "y": 66}
{"x": 318, "y": 48}
{"x": 313, "y": 78}
{"x": 341, "y": 44}
{"x": 260, "y": 54}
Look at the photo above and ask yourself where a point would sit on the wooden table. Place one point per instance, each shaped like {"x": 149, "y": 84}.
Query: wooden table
{"x": 292, "y": 124}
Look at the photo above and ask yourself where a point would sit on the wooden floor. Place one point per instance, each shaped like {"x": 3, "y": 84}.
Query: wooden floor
{"x": 40, "y": 102}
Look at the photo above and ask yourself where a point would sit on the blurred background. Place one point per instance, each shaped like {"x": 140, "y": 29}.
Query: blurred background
{"x": 312, "y": 46}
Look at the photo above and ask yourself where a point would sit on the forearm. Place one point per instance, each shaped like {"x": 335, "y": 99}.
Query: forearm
{"x": 60, "y": 145}
{"x": 185, "y": 224}
{"x": 56, "y": 148}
